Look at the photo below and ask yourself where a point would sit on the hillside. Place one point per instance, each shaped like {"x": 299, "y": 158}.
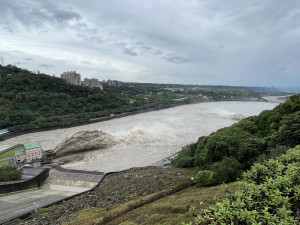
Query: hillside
{"x": 228, "y": 151}
{"x": 29, "y": 100}
{"x": 268, "y": 194}
{"x": 32, "y": 100}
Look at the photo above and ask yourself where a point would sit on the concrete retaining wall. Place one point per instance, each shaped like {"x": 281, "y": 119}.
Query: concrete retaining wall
{"x": 34, "y": 182}
{"x": 10, "y": 148}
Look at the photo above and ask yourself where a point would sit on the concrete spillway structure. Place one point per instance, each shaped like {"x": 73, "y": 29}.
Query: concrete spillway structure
{"x": 70, "y": 180}
{"x": 60, "y": 185}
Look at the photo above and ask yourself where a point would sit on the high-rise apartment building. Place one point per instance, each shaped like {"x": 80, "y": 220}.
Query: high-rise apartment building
{"x": 71, "y": 77}
{"x": 93, "y": 82}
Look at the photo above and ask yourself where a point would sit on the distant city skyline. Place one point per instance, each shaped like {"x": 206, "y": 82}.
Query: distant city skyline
{"x": 237, "y": 43}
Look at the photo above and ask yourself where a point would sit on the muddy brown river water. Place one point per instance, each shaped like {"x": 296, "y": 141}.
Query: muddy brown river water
{"x": 143, "y": 139}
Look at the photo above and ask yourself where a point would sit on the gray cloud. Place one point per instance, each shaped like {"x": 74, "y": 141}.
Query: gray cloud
{"x": 173, "y": 58}
{"x": 239, "y": 42}
{"x": 36, "y": 14}
{"x": 129, "y": 51}
{"x": 46, "y": 66}
{"x": 28, "y": 59}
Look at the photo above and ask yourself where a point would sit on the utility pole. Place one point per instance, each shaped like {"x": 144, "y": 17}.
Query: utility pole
{"x": 2, "y": 61}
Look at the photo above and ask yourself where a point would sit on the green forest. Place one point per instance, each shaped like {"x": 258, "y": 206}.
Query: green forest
{"x": 224, "y": 154}
{"x": 30, "y": 100}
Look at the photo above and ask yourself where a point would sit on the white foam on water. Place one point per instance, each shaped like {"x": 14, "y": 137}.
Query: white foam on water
{"x": 143, "y": 139}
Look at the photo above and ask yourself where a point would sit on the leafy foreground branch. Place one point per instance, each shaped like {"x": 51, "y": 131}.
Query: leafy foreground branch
{"x": 268, "y": 194}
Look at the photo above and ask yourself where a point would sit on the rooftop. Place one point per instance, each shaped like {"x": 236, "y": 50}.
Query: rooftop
{"x": 32, "y": 145}
{"x": 3, "y": 131}
{"x": 18, "y": 153}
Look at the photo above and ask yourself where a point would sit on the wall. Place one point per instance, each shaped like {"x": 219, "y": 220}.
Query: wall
{"x": 34, "y": 182}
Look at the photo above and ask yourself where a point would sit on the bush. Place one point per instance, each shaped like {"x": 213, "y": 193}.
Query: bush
{"x": 268, "y": 194}
{"x": 184, "y": 162}
{"x": 9, "y": 173}
{"x": 205, "y": 178}
{"x": 186, "y": 158}
{"x": 227, "y": 170}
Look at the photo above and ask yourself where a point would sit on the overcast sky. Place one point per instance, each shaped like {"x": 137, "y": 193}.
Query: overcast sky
{"x": 232, "y": 42}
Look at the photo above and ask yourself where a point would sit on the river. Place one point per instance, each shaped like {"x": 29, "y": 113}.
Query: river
{"x": 146, "y": 138}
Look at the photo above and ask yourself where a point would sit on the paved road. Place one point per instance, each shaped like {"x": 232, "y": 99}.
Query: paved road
{"x": 17, "y": 204}
{"x": 60, "y": 185}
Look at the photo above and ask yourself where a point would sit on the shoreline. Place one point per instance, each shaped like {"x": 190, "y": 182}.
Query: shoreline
{"x": 97, "y": 120}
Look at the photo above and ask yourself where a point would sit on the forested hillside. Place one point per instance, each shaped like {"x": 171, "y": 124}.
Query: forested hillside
{"x": 32, "y": 100}
{"x": 29, "y": 100}
{"x": 225, "y": 153}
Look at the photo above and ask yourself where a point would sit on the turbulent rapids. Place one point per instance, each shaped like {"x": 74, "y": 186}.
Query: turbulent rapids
{"x": 138, "y": 140}
{"x": 83, "y": 141}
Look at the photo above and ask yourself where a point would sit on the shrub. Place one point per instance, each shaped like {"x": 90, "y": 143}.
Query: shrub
{"x": 9, "y": 173}
{"x": 186, "y": 158}
{"x": 226, "y": 170}
{"x": 205, "y": 178}
{"x": 184, "y": 162}
{"x": 268, "y": 194}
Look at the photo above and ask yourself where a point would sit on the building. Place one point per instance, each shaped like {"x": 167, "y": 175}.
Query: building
{"x": 114, "y": 83}
{"x": 33, "y": 151}
{"x": 71, "y": 77}
{"x": 19, "y": 156}
{"x": 94, "y": 83}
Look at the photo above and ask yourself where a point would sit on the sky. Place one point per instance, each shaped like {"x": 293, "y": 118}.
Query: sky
{"x": 205, "y": 42}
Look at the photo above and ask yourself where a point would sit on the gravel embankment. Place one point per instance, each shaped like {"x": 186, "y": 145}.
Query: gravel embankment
{"x": 115, "y": 190}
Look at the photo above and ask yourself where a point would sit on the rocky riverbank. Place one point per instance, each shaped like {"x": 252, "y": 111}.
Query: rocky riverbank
{"x": 115, "y": 190}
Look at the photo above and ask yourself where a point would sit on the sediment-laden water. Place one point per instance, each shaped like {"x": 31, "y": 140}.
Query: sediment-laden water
{"x": 143, "y": 139}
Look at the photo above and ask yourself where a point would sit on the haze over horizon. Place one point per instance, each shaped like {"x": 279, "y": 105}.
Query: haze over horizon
{"x": 208, "y": 42}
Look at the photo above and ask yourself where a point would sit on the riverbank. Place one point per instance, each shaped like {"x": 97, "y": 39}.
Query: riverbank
{"x": 97, "y": 120}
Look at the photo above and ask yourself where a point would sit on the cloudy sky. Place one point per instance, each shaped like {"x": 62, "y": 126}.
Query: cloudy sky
{"x": 232, "y": 42}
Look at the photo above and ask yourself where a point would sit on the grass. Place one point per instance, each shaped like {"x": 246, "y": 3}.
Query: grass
{"x": 99, "y": 216}
{"x": 170, "y": 206}
{"x": 10, "y": 153}
{"x": 174, "y": 209}
{"x": 4, "y": 162}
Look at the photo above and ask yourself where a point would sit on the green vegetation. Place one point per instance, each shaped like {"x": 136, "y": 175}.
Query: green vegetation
{"x": 268, "y": 194}
{"x": 9, "y": 173}
{"x": 171, "y": 209}
{"x": 4, "y": 162}
{"x": 29, "y": 100}
{"x": 10, "y": 153}
{"x": 100, "y": 216}
{"x": 229, "y": 150}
